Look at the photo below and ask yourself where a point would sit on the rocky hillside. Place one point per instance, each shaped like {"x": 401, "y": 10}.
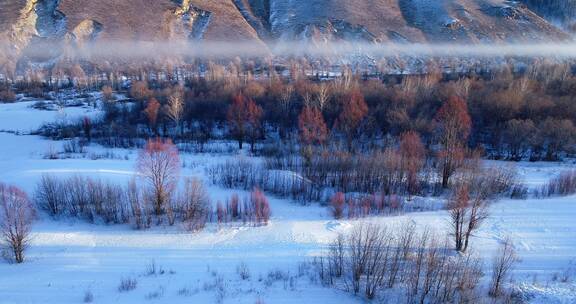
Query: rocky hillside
{"x": 560, "y": 12}
{"x": 469, "y": 21}
{"x": 24, "y": 23}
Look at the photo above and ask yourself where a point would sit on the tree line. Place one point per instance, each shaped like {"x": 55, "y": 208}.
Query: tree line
{"x": 528, "y": 116}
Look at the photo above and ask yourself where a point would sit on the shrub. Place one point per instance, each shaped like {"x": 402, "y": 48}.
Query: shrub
{"x": 259, "y": 207}
{"x": 373, "y": 259}
{"x": 247, "y": 175}
{"x": 158, "y": 293}
{"x": 253, "y": 210}
{"x": 7, "y": 96}
{"x": 243, "y": 271}
{"x": 50, "y": 196}
{"x": 88, "y": 297}
{"x": 501, "y": 267}
{"x": 359, "y": 206}
{"x": 193, "y": 205}
{"x": 127, "y": 284}
{"x": 563, "y": 184}
{"x": 338, "y": 201}
{"x": 100, "y": 201}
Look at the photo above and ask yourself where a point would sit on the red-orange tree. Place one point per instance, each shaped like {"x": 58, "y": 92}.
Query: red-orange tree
{"x": 312, "y": 127}
{"x": 453, "y": 126}
{"x": 151, "y": 111}
{"x": 244, "y": 119}
{"x": 354, "y": 110}
{"x": 412, "y": 154}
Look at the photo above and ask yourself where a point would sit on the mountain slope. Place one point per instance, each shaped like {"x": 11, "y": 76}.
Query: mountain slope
{"x": 374, "y": 20}
{"x": 561, "y": 12}
{"x": 144, "y": 20}
{"x": 412, "y": 20}
{"x": 25, "y": 23}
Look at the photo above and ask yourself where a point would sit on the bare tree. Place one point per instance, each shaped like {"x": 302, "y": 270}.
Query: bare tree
{"x": 16, "y": 216}
{"x": 468, "y": 208}
{"x": 195, "y": 204}
{"x": 286, "y": 98}
{"x": 175, "y": 110}
{"x": 364, "y": 242}
{"x": 374, "y": 257}
{"x": 323, "y": 96}
{"x": 453, "y": 124}
{"x": 307, "y": 98}
{"x": 379, "y": 256}
{"x": 501, "y": 266}
{"x": 141, "y": 212}
{"x": 158, "y": 164}
{"x": 49, "y": 196}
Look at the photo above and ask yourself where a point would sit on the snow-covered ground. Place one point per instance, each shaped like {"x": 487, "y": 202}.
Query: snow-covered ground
{"x": 67, "y": 258}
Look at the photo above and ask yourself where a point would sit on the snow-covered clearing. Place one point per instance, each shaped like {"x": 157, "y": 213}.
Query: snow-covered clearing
{"x": 67, "y": 258}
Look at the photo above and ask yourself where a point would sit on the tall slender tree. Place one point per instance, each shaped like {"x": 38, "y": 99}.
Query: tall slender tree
{"x": 453, "y": 126}
{"x": 175, "y": 110}
{"x": 412, "y": 154}
{"x": 151, "y": 111}
{"x": 468, "y": 208}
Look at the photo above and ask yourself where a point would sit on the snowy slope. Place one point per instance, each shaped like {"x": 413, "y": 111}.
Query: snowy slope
{"x": 413, "y": 20}
{"x": 68, "y": 258}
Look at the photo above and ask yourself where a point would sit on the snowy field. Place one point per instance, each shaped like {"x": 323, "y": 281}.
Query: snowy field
{"x": 68, "y": 258}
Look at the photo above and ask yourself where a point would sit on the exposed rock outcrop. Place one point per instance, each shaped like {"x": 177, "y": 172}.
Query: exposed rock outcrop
{"x": 87, "y": 31}
{"x": 39, "y": 19}
{"x": 189, "y": 22}
{"x": 40, "y": 23}
{"x": 334, "y": 30}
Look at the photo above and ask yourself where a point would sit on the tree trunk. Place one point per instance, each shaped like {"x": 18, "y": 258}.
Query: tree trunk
{"x": 159, "y": 203}
{"x": 445, "y": 175}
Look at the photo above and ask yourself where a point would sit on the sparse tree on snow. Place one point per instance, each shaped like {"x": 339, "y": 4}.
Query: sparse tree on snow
{"x": 159, "y": 164}
{"x": 468, "y": 208}
{"x": 501, "y": 266}
{"x": 16, "y": 216}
